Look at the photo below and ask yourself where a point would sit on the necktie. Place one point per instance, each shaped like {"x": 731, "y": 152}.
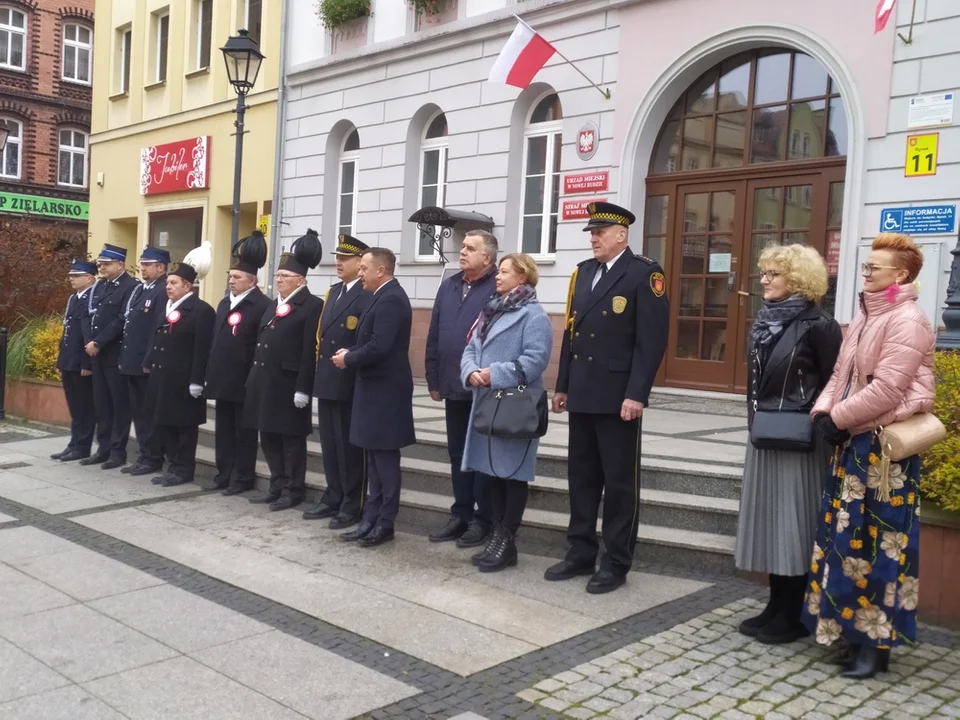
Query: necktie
{"x": 599, "y": 276}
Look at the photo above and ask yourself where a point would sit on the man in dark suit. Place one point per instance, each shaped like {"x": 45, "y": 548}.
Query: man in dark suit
{"x": 382, "y": 414}
{"x": 74, "y": 364}
{"x": 178, "y": 364}
{"x": 343, "y": 462}
{"x": 281, "y": 380}
{"x": 111, "y": 395}
{"x": 141, "y": 320}
{"x": 617, "y": 319}
{"x": 231, "y": 356}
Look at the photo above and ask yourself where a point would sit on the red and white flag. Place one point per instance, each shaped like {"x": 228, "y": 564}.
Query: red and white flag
{"x": 521, "y": 58}
{"x": 884, "y": 10}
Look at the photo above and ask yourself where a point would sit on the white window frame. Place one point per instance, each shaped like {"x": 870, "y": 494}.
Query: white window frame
{"x": 74, "y": 152}
{"x": 126, "y": 51}
{"x": 160, "y": 18}
{"x": 78, "y": 47}
{"x": 198, "y": 9}
{"x": 553, "y": 131}
{"x": 10, "y": 145}
{"x": 246, "y": 22}
{"x": 441, "y": 144}
{"x": 12, "y": 29}
{"x": 346, "y": 158}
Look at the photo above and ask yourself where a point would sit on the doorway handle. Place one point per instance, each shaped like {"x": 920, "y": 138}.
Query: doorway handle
{"x": 732, "y": 280}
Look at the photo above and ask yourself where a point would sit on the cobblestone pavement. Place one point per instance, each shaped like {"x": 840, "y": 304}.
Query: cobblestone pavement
{"x": 121, "y": 600}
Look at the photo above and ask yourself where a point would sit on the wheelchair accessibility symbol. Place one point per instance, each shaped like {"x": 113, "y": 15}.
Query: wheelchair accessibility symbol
{"x": 892, "y": 221}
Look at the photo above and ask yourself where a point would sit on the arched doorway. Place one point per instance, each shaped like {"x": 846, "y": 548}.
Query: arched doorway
{"x": 753, "y": 153}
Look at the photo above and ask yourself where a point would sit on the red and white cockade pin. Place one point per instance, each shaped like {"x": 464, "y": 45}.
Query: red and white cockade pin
{"x": 283, "y": 310}
{"x": 173, "y": 317}
{"x": 233, "y": 320}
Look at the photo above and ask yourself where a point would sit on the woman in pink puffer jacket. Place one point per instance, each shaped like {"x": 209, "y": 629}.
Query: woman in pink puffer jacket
{"x": 864, "y": 571}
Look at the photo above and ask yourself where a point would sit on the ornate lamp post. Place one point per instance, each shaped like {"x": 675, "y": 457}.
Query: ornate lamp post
{"x": 243, "y": 58}
{"x": 950, "y": 339}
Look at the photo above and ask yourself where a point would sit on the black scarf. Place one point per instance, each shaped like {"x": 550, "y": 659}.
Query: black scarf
{"x": 773, "y": 318}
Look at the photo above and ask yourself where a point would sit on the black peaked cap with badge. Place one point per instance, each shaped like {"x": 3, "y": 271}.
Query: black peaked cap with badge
{"x": 349, "y": 245}
{"x": 603, "y": 214}
{"x": 305, "y": 254}
{"x": 250, "y": 253}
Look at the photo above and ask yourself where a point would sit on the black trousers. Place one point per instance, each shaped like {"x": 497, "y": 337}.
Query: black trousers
{"x": 287, "y": 458}
{"x": 112, "y": 400}
{"x": 151, "y": 451}
{"x": 471, "y": 490}
{"x": 343, "y": 464}
{"x": 383, "y": 470}
{"x": 603, "y": 463}
{"x": 235, "y": 447}
{"x": 83, "y": 420}
{"x": 180, "y": 447}
{"x": 509, "y": 499}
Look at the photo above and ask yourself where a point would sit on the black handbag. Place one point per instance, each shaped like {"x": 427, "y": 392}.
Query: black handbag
{"x": 518, "y": 413}
{"x": 772, "y": 430}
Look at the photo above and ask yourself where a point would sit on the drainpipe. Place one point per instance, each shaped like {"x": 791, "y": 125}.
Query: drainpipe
{"x": 278, "y": 163}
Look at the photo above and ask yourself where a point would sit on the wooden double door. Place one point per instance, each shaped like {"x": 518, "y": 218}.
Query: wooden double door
{"x": 710, "y": 238}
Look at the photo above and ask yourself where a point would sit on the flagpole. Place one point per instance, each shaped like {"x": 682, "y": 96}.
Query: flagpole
{"x": 602, "y": 91}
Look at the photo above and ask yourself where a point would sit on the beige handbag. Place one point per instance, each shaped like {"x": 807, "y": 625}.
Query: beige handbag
{"x": 904, "y": 439}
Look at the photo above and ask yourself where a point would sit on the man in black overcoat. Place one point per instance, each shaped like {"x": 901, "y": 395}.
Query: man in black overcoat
{"x": 231, "y": 356}
{"x": 382, "y": 415}
{"x": 281, "y": 379}
{"x": 111, "y": 395}
{"x": 178, "y": 364}
{"x": 142, "y": 317}
{"x": 616, "y": 334}
{"x": 343, "y": 462}
{"x": 75, "y": 365}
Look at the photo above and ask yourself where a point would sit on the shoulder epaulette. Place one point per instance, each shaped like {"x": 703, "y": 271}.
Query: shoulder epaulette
{"x": 647, "y": 260}
{"x": 584, "y": 262}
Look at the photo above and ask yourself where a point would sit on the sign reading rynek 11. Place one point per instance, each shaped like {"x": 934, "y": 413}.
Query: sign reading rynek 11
{"x": 176, "y": 166}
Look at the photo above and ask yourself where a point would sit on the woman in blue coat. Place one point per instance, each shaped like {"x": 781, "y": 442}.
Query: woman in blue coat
{"x": 512, "y": 328}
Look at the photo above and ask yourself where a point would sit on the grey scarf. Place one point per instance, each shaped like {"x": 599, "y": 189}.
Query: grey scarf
{"x": 773, "y": 318}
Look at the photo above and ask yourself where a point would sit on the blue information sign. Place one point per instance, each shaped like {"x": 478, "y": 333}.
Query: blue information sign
{"x": 920, "y": 220}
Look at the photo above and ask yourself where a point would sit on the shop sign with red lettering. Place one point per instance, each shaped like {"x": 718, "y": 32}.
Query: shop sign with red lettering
{"x": 586, "y": 182}
{"x": 176, "y": 166}
{"x": 577, "y": 209}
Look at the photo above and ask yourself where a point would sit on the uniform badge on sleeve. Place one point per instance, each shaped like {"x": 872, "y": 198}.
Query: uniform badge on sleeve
{"x": 658, "y": 284}
{"x": 352, "y": 322}
{"x": 619, "y": 304}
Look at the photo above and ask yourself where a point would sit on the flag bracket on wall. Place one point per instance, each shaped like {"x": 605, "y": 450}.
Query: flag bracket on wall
{"x": 908, "y": 40}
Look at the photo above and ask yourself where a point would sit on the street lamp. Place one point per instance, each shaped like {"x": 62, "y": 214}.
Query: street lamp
{"x": 950, "y": 338}
{"x": 242, "y": 57}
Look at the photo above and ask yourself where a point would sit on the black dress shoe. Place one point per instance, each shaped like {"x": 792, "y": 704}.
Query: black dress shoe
{"x": 363, "y": 529}
{"x": 267, "y": 499}
{"x": 96, "y": 459}
{"x": 74, "y": 455}
{"x": 129, "y": 468}
{"x": 215, "y": 487}
{"x": 160, "y": 479}
{"x": 173, "y": 480}
{"x": 285, "y": 503}
{"x": 319, "y": 511}
{"x": 869, "y": 662}
{"x": 236, "y": 490}
{"x": 57, "y": 456}
{"x": 475, "y": 536}
{"x": 113, "y": 464}
{"x": 604, "y": 582}
{"x": 139, "y": 470}
{"x": 566, "y": 570}
{"x": 378, "y": 536}
{"x": 454, "y": 528}
{"x": 341, "y": 521}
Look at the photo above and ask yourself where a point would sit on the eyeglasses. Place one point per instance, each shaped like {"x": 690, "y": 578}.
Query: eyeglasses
{"x": 286, "y": 276}
{"x": 770, "y": 275}
{"x": 868, "y": 270}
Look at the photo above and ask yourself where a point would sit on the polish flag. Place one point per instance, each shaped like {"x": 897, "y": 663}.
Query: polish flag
{"x": 884, "y": 10}
{"x": 521, "y": 58}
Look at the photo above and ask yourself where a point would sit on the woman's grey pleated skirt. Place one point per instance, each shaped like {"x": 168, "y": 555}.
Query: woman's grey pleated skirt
{"x": 779, "y": 505}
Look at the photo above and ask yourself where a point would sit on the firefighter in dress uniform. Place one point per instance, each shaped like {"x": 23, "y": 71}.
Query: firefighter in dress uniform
{"x": 616, "y": 335}
{"x": 231, "y": 356}
{"x": 343, "y": 463}
{"x": 178, "y": 364}
{"x": 111, "y": 395}
{"x": 75, "y": 365}
{"x": 142, "y": 317}
{"x": 281, "y": 380}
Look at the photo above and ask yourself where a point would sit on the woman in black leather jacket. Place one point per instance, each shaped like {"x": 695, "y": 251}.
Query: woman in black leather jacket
{"x": 793, "y": 347}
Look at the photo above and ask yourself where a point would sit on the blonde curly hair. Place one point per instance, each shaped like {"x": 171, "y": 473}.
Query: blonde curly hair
{"x": 802, "y": 267}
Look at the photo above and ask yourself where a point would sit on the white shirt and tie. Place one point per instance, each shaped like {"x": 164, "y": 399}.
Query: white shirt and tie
{"x": 604, "y": 268}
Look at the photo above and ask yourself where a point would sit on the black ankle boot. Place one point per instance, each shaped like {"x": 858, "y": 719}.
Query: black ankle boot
{"x": 869, "y": 662}
{"x": 846, "y": 657}
{"x": 478, "y": 557}
{"x": 502, "y": 555}
{"x": 751, "y": 626}
{"x": 786, "y": 626}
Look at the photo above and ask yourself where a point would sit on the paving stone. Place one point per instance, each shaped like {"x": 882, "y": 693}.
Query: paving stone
{"x": 579, "y": 713}
{"x": 756, "y": 707}
{"x": 604, "y": 662}
{"x": 681, "y": 701}
{"x": 600, "y": 705}
{"x": 624, "y": 671}
{"x": 531, "y": 695}
{"x": 865, "y": 712}
{"x": 798, "y": 707}
{"x": 608, "y": 679}
{"x": 735, "y": 715}
{"x": 568, "y": 678}
{"x": 578, "y": 692}
{"x": 617, "y": 695}
{"x": 549, "y": 685}
{"x": 636, "y": 708}
{"x": 744, "y": 690}
{"x": 554, "y": 704}
{"x": 587, "y": 669}
{"x": 807, "y": 678}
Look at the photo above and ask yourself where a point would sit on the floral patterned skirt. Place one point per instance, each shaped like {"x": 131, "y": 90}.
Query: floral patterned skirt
{"x": 864, "y": 574}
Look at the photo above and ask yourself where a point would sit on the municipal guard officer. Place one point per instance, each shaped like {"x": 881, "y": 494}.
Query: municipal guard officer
{"x": 75, "y": 365}
{"x": 616, "y": 334}
{"x": 178, "y": 364}
{"x": 111, "y": 395}
{"x": 281, "y": 379}
{"x": 231, "y": 356}
{"x": 343, "y": 463}
{"x": 142, "y": 317}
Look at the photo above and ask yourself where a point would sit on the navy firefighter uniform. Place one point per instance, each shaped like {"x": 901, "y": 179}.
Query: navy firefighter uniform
{"x": 616, "y": 335}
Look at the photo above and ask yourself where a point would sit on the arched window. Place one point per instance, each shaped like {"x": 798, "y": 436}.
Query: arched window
{"x": 541, "y": 177}
{"x": 77, "y": 53}
{"x": 10, "y": 156}
{"x": 13, "y": 38}
{"x": 348, "y": 192}
{"x": 433, "y": 174}
{"x": 72, "y": 158}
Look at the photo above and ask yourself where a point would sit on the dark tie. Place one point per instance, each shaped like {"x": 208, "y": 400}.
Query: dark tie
{"x": 598, "y": 279}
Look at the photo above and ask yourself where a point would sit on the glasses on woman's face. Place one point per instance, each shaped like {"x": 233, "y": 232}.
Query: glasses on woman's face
{"x": 868, "y": 269}
{"x": 769, "y": 275}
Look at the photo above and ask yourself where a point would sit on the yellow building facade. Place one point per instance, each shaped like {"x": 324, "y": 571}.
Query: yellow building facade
{"x": 163, "y": 136}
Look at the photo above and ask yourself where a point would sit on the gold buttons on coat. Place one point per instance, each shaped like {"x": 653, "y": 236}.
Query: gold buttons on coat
{"x": 576, "y": 357}
{"x": 592, "y": 335}
{"x": 604, "y": 312}
{"x": 589, "y": 359}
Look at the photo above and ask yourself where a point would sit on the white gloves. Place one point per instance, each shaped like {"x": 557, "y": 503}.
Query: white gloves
{"x": 196, "y": 390}
{"x": 301, "y": 400}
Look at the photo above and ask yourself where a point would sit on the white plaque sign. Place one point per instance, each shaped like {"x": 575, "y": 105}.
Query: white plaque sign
{"x": 930, "y": 110}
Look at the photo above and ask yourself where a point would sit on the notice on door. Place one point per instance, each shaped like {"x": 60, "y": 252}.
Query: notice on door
{"x": 922, "y": 155}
